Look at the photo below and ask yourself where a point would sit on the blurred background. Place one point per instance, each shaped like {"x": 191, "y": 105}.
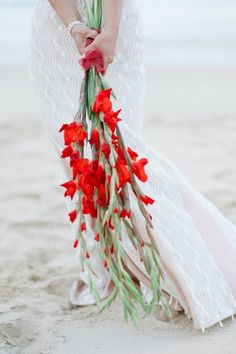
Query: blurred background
{"x": 180, "y": 33}
{"x": 190, "y": 117}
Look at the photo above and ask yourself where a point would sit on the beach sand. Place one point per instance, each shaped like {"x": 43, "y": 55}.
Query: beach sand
{"x": 190, "y": 117}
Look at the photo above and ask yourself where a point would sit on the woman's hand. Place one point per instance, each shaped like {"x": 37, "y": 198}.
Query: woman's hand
{"x": 80, "y": 34}
{"x": 105, "y": 42}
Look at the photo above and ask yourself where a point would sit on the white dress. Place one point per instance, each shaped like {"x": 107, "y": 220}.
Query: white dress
{"x": 197, "y": 243}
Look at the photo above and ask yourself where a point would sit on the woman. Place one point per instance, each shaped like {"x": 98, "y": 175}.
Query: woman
{"x": 197, "y": 243}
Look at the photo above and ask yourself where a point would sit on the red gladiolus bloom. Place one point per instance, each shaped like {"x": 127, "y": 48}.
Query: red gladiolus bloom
{"x": 132, "y": 153}
{"x": 68, "y": 151}
{"x": 80, "y": 166}
{"x": 101, "y": 200}
{"x": 97, "y": 238}
{"x": 74, "y": 158}
{"x": 88, "y": 207}
{"x": 112, "y": 250}
{"x": 72, "y": 215}
{"x": 147, "y": 200}
{"x": 70, "y": 189}
{"x": 105, "y": 148}
{"x": 138, "y": 169}
{"x": 111, "y": 119}
{"x": 124, "y": 213}
{"x": 83, "y": 226}
{"x": 100, "y": 175}
{"x": 110, "y": 224}
{"x": 102, "y": 102}
{"x": 94, "y": 165}
{"x": 123, "y": 174}
{"x": 105, "y": 263}
{"x": 93, "y": 58}
{"x": 76, "y": 243}
{"x": 86, "y": 183}
{"x": 94, "y": 139}
{"x": 120, "y": 153}
{"x": 74, "y": 133}
{"x": 87, "y": 255}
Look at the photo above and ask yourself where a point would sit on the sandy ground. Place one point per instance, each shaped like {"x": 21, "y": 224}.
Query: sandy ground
{"x": 193, "y": 122}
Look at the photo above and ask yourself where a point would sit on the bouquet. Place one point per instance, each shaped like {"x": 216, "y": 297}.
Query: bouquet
{"x": 102, "y": 185}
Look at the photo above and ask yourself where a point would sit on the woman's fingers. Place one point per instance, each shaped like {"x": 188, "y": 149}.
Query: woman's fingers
{"x": 92, "y": 34}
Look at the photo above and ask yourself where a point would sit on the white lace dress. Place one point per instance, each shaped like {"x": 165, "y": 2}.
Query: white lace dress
{"x": 197, "y": 243}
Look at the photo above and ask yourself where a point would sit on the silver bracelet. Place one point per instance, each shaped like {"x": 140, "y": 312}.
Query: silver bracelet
{"x": 73, "y": 24}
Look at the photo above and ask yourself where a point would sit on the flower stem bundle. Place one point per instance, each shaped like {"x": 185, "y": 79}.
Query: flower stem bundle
{"x": 103, "y": 184}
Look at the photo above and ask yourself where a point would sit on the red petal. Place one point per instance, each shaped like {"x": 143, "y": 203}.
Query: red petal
{"x": 76, "y": 243}
{"x": 83, "y": 226}
{"x": 70, "y": 189}
{"x": 147, "y": 200}
{"x": 138, "y": 169}
{"x": 68, "y": 151}
{"x": 132, "y": 153}
{"x": 72, "y": 215}
{"x": 97, "y": 238}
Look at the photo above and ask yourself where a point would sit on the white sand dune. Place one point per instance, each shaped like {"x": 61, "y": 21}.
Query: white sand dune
{"x": 193, "y": 122}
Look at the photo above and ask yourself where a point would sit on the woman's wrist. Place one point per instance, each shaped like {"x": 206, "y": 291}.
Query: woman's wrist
{"x": 76, "y": 30}
{"x": 112, "y": 29}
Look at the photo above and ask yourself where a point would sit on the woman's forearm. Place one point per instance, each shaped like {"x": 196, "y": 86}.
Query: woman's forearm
{"x": 66, "y": 10}
{"x": 112, "y": 14}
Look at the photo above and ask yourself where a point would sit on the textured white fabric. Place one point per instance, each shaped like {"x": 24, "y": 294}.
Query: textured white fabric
{"x": 197, "y": 243}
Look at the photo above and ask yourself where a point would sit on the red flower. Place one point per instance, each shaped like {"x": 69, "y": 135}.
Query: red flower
{"x": 94, "y": 165}
{"x": 68, "y": 151}
{"x": 97, "y": 238}
{"x": 124, "y": 213}
{"x": 120, "y": 153}
{"x": 76, "y": 243}
{"x": 132, "y": 153}
{"x": 100, "y": 174}
{"x": 87, "y": 255}
{"x": 111, "y": 119}
{"x": 101, "y": 200}
{"x": 147, "y": 200}
{"x": 88, "y": 207}
{"x": 83, "y": 226}
{"x": 74, "y": 133}
{"x": 102, "y": 102}
{"x": 105, "y": 263}
{"x": 123, "y": 173}
{"x": 70, "y": 189}
{"x": 112, "y": 249}
{"x": 138, "y": 169}
{"x": 94, "y": 139}
{"x": 80, "y": 166}
{"x": 110, "y": 224}
{"x": 93, "y": 58}
{"x": 74, "y": 158}
{"x": 72, "y": 215}
{"x": 105, "y": 148}
{"x": 86, "y": 183}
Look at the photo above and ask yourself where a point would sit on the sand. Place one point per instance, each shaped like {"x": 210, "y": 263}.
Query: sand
{"x": 193, "y": 122}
